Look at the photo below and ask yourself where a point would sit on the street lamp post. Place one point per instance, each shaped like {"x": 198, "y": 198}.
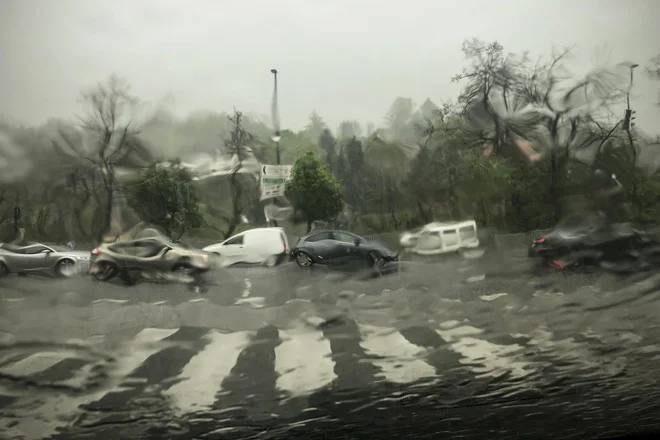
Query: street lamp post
{"x": 632, "y": 68}
{"x": 276, "y": 136}
{"x": 629, "y": 113}
{"x": 627, "y": 124}
{"x": 276, "y": 125}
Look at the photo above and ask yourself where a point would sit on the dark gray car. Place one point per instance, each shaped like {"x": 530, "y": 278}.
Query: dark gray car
{"x": 342, "y": 249}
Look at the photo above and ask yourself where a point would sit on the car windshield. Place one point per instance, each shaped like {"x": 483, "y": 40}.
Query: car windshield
{"x": 213, "y": 164}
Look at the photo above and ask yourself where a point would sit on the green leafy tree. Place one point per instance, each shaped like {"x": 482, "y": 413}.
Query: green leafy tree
{"x": 313, "y": 190}
{"x": 165, "y": 196}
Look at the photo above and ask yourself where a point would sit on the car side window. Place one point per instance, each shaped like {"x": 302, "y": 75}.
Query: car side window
{"x": 149, "y": 248}
{"x": 34, "y": 250}
{"x": 344, "y": 237}
{"x": 235, "y": 240}
{"x": 318, "y": 237}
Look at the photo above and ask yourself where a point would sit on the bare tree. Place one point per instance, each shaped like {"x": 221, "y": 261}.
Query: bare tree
{"x": 238, "y": 146}
{"x": 509, "y": 103}
{"x": 488, "y": 94}
{"x": 110, "y": 126}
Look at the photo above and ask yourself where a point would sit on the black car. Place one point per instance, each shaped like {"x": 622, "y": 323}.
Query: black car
{"x": 342, "y": 249}
{"x": 617, "y": 246}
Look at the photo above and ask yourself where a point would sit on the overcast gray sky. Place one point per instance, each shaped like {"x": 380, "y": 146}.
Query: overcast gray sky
{"x": 344, "y": 59}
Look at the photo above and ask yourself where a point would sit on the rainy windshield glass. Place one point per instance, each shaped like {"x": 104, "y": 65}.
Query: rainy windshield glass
{"x": 306, "y": 219}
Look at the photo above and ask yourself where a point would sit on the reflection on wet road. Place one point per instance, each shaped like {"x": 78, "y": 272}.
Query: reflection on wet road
{"x": 440, "y": 347}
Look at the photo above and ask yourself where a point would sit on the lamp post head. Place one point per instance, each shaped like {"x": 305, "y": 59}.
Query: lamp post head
{"x": 632, "y": 66}
{"x": 273, "y": 71}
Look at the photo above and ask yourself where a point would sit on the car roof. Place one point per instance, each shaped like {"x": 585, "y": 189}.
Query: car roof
{"x": 321, "y": 231}
{"x": 268, "y": 229}
{"x": 444, "y": 225}
{"x": 155, "y": 238}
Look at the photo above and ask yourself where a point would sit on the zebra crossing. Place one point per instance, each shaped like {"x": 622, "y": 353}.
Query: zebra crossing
{"x": 192, "y": 370}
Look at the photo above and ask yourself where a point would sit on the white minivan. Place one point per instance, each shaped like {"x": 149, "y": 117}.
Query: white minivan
{"x": 441, "y": 238}
{"x": 267, "y": 246}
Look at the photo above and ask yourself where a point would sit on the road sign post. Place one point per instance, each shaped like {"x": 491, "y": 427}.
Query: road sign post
{"x": 273, "y": 180}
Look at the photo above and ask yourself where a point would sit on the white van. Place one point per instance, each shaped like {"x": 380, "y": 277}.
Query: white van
{"x": 441, "y": 238}
{"x": 267, "y": 246}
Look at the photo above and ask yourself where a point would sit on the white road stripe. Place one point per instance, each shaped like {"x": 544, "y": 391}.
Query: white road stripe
{"x": 36, "y": 363}
{"x": 41, "y": 415}
{"x": 401, "y": 361}
{"x": 303, "y": 361}
{"x": 203, "y": 375}
{"x": 248, "y": 288}
{"x": 110, "y": 300}
{"x": 492, "y": 297}
{"x": 494, "y": 358}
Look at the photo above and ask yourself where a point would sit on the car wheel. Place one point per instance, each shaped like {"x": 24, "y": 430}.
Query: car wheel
{"x": 106, "y": 272}
{"x": 271, "y": 261}
{"x": 183, "y": 273}
{"x": 378, "y": 263}
{"x": 303, "y": 259}
{"x": 3, "y": 270}
{"x": 130, "y": 279}
{"x": 65, "y": 268}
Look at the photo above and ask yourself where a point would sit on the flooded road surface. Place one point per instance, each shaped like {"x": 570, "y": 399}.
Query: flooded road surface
{"x": 462, "y": 349}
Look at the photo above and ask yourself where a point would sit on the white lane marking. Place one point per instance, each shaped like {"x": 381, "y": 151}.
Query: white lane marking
{"x": 203, "y": 374}
{"x": 458, "y": 332}
{"x": 256, "y": 301}
{"x": 198, "y": 300}
{"x": 476, "y": 278}
{"x": 13, "y": 299}
{"x": 297, "y": 300}
{"x": 401, "y": 361}
{"x": 494, "y": 358}
{"x": 110, "y": 300}
{"x": 303, "y": 361}
{"x": 492, "y": 297}
{"x": 248, "y": 288}
{"x": 449, "y": 324}
{"x": 159, "y": 303}
{"x": 36, "y": 363}
{"x": 41, "y": 415}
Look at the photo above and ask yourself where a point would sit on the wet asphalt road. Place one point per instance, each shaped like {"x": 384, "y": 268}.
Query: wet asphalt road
{"x": 500, "y": 351}
{"x": 277, "y": 285}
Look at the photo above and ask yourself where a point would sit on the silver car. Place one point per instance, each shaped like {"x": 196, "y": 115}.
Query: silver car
{"x": 36, "y": 257}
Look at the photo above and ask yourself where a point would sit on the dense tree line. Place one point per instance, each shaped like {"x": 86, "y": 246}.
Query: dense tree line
{"x": 521, "y": 146}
